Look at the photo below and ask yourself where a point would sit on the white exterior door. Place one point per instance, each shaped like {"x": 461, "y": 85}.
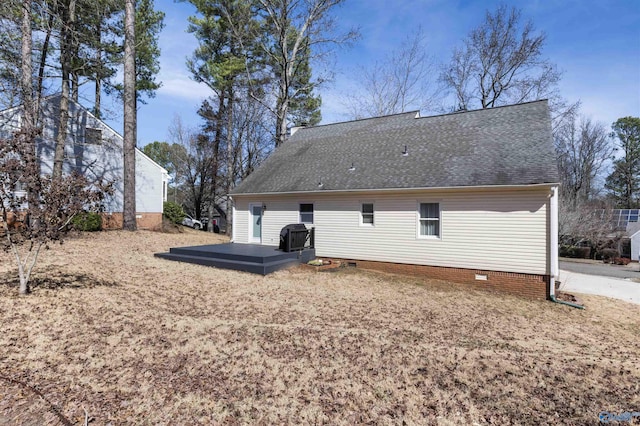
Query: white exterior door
{"x": 255, "y": 225}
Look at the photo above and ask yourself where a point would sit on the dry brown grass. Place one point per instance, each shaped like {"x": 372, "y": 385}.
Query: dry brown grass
{"x": 139, "y": 340}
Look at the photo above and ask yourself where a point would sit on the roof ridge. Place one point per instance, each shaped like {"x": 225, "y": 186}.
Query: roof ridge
{"x": 359, "y": 119}
{"x": 418, "y": 116}
{"x": 484, "y": 109}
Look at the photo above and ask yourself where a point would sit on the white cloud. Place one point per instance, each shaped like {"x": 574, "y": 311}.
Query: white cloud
{"x": 176, "y": 84}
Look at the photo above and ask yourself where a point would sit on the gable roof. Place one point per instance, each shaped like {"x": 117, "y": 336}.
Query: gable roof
{"x": 54, "y": 101}
{"x": 509, "y": 145}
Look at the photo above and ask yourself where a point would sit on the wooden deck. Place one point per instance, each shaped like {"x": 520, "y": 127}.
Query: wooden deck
{"x": 254, "y": 258}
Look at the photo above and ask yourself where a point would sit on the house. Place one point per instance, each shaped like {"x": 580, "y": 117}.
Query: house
{"x": 95, "y": 149}
{"x": 626, "y": 221}
{"x": 470, "y": 197}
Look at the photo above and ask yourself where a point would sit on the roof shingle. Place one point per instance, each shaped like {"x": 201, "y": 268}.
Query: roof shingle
{"x": 509, "y": 145}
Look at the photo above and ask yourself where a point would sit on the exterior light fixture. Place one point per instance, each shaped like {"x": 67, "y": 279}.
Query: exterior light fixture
{"x": 405, "y": 153}
{"x": 352, "y": 168}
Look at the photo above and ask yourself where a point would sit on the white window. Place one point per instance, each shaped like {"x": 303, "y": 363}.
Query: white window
{"x": 306, "y": 213}
{"x": 366, "y": 214}
{"x": 92, "y": 136}
{"x": 20, "y": 187}
{"x": 429, "y": 220}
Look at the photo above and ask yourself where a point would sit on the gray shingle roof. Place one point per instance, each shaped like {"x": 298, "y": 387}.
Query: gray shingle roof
{"x": 509, "y": 145}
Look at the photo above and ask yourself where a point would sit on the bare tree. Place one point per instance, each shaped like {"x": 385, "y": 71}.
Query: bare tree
{"x": 252, "y": 137}
{"x": 500, "y": 63}
{"x": 130, "y": 120}
{"x": 588, "y": 223}
{"x": 584, "y": 150}
{"x": 296, "y": 33}
{"x": 194, "y": 165}
{"x": 35, "y": 209}
{"x": 399, "y": 82}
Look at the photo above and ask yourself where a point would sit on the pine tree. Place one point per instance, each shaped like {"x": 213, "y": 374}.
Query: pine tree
{"x": 130, "y": 119}
{"x": 624, "y": 182}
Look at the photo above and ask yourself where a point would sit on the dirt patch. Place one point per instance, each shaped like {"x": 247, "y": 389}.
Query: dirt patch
{"x": 136, "y": 339}
{"x": 169, "y": 227}
{"x": 567, "y": 297}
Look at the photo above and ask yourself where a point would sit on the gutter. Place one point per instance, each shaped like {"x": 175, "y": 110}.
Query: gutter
{"x": 402, "y": 190}
{"x": 553, "y": 249}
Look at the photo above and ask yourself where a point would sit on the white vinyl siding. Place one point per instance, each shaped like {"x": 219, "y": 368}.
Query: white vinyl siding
{"x": 150, "y": 185}
{"x": 277, "y": 215}
{"x": 95, "y": 149}
{"x": 501, "y": 230}
{"x": 240, "y": 225}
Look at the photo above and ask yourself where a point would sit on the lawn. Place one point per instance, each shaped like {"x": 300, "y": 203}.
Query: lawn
{"x": 133, "y": 339}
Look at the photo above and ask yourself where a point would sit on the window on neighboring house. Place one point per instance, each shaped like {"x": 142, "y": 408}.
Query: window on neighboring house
{"x": 429, "y": 219}
{"x": 366, "y": 213}
{"x": 20, "y": 187}
{"x": 92, "y": 136}
{"x": 306, "y": 213}
{"x": 164, "y": 191}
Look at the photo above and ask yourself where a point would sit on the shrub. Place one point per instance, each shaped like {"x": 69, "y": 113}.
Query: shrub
{"x": 582, "y": 252}
{"x": 576, "y": 252}
{"x": 565, "y": 250}
{"x": 173, "y": 212}
{"x": 621, "y": 260}
{"x": 609, "y": 254}
{"x": 87, "y": 221}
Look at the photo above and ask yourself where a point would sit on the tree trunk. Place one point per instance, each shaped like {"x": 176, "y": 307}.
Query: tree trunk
{"x": 24, "y": 282}
{"x": 26, "y": 83}
{"x": 43, "y": 61}
{"x": 65, "y": 62}
{"x": 63, "y": 118}
{"x": 26, "y": 68}
{"x": 73, "y": 48}
{"x": 98, "y": 98}
{"x": 130, "y": 121}
{"x": 75, "y": 82}
{"x": 216, "y": 158}
{"x": 281, "y": 120}
{"x": 98, "y": 81}
{"x": 230, "y": 162}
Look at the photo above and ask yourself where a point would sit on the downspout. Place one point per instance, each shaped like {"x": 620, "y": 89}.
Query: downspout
{"x": 553, "y": 249}
{"x": 233, "y": 217}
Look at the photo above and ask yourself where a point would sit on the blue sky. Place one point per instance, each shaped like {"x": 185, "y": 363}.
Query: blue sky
{"x": 595, "y": 43}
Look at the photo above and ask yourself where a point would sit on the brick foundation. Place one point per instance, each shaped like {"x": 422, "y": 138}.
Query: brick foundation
{"x": 111, "y": 221}
{"x": 149, "y": 221}
{"x": 526, "y": 285}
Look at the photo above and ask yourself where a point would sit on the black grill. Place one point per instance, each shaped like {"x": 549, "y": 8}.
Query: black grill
{"x": 293, "y": 237}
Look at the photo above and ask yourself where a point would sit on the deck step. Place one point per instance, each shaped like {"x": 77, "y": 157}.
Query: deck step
{"x": 203, "y": 251}
{"x": 262, "y": 268}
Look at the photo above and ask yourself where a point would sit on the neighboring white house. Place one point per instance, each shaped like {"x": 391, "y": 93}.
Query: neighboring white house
{"x": 624, "y": 229}
{"x": 95, "y": 149}
{"x": 469, "y": 196}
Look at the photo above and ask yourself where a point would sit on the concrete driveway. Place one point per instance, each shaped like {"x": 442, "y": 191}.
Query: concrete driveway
{"x": 599, "y": 268}
{"x": 617, "y": 288}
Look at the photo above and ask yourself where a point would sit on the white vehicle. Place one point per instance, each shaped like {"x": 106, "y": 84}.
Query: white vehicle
{"x": 192, "y": 223}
